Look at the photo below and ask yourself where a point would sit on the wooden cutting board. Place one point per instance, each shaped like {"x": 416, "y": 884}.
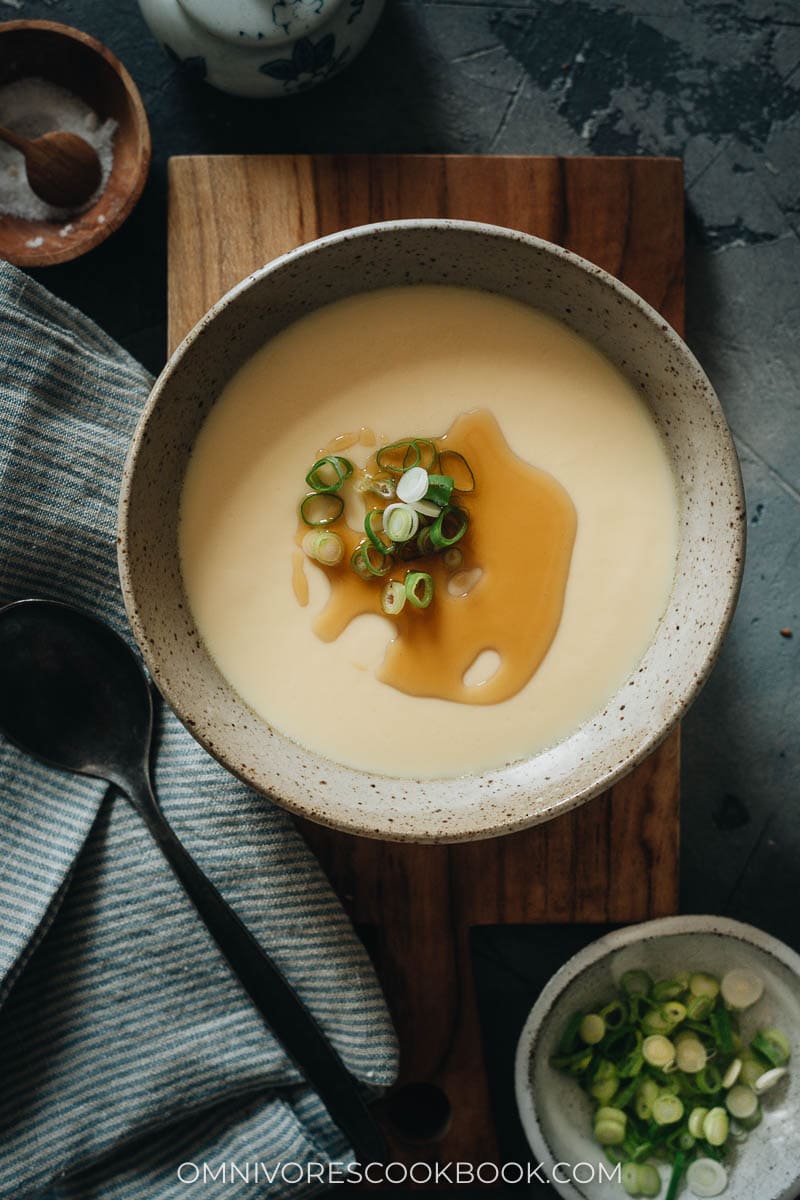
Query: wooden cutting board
{"x": 616, "y": 858}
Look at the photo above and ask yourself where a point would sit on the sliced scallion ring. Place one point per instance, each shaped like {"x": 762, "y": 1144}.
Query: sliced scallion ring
{"x": 381, "y": 485}
{"x": 426, "y": 508}
{"x": 440, "y": 489}
{"x": 413, "y": 485}
{"x": 373, "y": 522}
{"x": 419, "y": 588}
{"x": 741, "y": 989}
{"x": 400, "y": 522}
{"x": 449, "y": 527}
{"x": 329, "y": 473}
{"x": 453, "y": 558}
{"x": 393, "y": 457}
{"x": 393, "y": 598}
{"x": 454, "y": 464}
{"x": 321, "y": 508}
{"x": 369, "y": 562}
{"x": 324, "y": 546}
{"x": 706, "y": 1177}
{"x": 427, "y": 454}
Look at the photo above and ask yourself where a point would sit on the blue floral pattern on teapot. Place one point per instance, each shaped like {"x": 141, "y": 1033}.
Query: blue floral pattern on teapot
{"x": 262, "y": 48}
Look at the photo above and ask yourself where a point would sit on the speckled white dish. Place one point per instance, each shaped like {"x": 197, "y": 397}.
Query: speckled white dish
{"x": 555, "y": 1113}
{"x": 595, "y": 305}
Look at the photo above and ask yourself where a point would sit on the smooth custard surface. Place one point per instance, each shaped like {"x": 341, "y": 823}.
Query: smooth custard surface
{"x": 409, "y": 362}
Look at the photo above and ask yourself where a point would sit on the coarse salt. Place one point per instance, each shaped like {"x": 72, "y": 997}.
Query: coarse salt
{"x": 32, "y": 107}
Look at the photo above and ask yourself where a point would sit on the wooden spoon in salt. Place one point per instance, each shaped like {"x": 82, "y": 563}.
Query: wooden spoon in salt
{"x": 62, "y": 168}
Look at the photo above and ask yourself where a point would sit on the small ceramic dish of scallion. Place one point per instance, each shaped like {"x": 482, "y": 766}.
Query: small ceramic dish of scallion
{"x": 663, "y": 1060}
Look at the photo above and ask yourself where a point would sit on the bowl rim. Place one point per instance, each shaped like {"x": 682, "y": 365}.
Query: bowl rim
{"x": 475, "y": 830}
{"x": 598, "y": 950}
{"x": 98, "y": 233}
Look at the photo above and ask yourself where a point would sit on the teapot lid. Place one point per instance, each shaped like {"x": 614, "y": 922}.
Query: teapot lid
{"x": 259, "y": 22}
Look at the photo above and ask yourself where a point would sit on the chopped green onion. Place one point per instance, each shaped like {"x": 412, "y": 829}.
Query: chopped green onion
{"x": 741, "y": 1102}
{"x": 413, "y": 485}
{"x": 674, "y": 1012}
{"x": 400, "y": 522}
{"x": 381, "y": 485}
{"x": 690, "y": 1054}
{"x": 609, "y": 1126}
{"x": 440, "y": 489}
{"x": 604, "y": 1082}
{"x": 667, "y": 989}
{"x": 456, "y": 466}
{"x": 640, "y": 1179}
{"x": 636, "y": 983}
{"x": 703, "y": 985}
{"x": 678, "y": 1167}
{"x": 752, "y": 1070}
{"x": 723, "y": 1032}
{"x": 426, "y": 508}
{"x": 373, "y": 517}
{"x": 321, "y": 508}
{"x": 732, "y": 1073}
{"x": 428, "y": 454}
{"x": 706, "y": 1177}
{"x": 449, "y": 527}
{"x": 646, "y": 1096}
{"x": 658, "y": 1050}
{"x": 329, "y": 473}
{"x": 393, "y": 598}
{"x": 741, "y": 989}
{"x": 419, "y": 588}
{"x": 772, "y": 1045}
{"x": 569, "y": 1038}
{"x": 698, "y": 1007}
{"x": 769, "y": 1079}
{"x": 393, "y": 457}
{"x": 695, "y": 1124}
{"x": 453, "y": 558}
{"x": 716, "y": 1127}
{"x": 593, "y": 1029}
{"x": 368, "y": 562}
{"x": 708, "y": 1081}
{"x": 667, "y": 1109}
{"x": 657, "y": 1021}
{"x": 325, "y": 547}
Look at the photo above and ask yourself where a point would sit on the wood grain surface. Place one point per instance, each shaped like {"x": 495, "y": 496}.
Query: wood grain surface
{"x": 616, "y": 858}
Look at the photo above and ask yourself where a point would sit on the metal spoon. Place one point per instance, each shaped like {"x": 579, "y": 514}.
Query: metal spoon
{"x": 63, "y": 169}
{"x": 74, "y": 695}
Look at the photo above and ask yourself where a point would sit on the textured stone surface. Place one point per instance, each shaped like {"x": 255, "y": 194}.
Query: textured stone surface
{"x": 716, "y": 81}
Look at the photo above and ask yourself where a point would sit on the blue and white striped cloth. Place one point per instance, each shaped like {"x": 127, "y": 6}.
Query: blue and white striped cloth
{"x": 126, "y": 1046}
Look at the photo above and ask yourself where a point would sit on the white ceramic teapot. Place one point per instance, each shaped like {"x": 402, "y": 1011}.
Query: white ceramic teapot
{"x": 262, "y": 48}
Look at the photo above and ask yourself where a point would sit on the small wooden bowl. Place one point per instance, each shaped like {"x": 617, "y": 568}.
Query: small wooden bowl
{"x": 85, "y": 67}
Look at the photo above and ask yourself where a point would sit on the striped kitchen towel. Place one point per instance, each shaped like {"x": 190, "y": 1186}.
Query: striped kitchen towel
{"x": 132, "y": 1065}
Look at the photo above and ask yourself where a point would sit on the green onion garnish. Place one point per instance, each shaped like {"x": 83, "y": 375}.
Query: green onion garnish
{"x": 440, "y": 489}
{"x": 643, "y": 1059}
{"x": 453, "y": 558}
{"x": 325, "y": 547}
{"x": 329, "y": 473}
{"x": 393, "y": 598}
{"x": 449, "y": 527}
{"x": 375, "y": 518}
{"x": 400, "y": 522}
{"x": 369, "y": 562}
{"x": 419, "y": 588}
{"x": 321, "y": 508}
{"x": 454, "y": 464}
{"x": 398, "y": 457}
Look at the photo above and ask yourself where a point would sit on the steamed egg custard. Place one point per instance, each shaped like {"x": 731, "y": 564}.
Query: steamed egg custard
{"x": 427, "y": 531}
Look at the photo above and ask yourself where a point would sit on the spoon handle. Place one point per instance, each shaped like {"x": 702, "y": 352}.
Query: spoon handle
{"x": 271, "y": 993}
{"x": 13, "y": 139}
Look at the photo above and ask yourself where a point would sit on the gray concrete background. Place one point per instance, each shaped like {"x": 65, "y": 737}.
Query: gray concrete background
{"x": 714, "y": 81}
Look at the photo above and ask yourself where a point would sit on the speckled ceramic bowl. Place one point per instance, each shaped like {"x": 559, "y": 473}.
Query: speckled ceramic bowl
{"x": 686, "y": 643}
{"x": 555, "y": 1113}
